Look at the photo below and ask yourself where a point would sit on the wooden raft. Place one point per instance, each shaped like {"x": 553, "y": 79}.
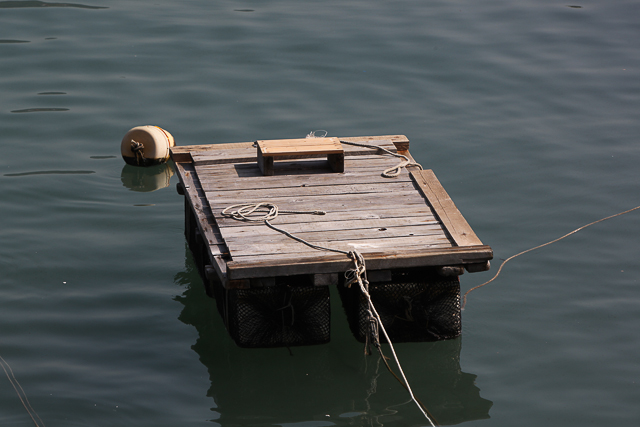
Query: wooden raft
{"x": 402, "y": 222}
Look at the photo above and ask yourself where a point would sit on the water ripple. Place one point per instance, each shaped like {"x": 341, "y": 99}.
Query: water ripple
{"x": 16, "y": 4}
{"x": 52, "y": 172}
{"x": 39, "y": 110}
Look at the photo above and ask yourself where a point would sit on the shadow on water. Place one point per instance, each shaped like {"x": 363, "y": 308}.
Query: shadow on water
{"x": 331, "y": 384}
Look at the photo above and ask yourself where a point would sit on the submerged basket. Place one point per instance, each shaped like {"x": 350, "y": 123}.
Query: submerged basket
{"x": 416, "y": 305}
{"x": 290, "y": 313}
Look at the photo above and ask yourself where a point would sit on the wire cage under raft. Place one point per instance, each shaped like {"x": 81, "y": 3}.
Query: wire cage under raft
{"x": 291, "y": 312}
{"x": 415, "y": 306}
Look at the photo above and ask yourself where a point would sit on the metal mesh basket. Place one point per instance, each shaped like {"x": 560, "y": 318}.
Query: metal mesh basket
{"x": 416, "y": 305}
{"x": 289, "y": 313}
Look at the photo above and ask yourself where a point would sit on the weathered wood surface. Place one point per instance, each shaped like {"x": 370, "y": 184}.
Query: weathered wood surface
{"x": 227, "y": 183}
{"x": 258, "y": 266}
{"x": 445, "y": 209}
{"x": 302, "y": 146}
{"x": 270, "y": 150}
{"x": 400, "y": 222}
{"x": 205, "y": 225}
{"x": 246, "y": 152}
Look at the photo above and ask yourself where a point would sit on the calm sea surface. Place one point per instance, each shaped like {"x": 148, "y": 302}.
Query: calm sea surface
{"x": 528, "y": 112}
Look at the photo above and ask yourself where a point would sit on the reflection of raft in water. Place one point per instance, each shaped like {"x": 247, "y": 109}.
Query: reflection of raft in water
{"x": 273, "y": 291}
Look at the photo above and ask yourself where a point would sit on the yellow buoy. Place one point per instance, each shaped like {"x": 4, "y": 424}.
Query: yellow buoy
{"x": 146, "y": 146}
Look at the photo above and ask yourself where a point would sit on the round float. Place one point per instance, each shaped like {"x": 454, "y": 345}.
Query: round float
{"x": 146, "y": 146}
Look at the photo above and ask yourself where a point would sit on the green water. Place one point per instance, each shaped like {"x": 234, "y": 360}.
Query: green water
{"x": 528, "y": 112}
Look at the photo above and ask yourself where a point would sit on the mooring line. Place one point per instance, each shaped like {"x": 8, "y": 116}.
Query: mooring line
{"x": 464, "y": 301}
{"x": 244, "y": 211}
{"x": 21, "y": 394}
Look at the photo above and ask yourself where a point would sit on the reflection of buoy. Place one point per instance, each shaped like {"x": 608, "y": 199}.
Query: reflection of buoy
{"x": 146, "y": 146}
{"x": 146, "y": 179}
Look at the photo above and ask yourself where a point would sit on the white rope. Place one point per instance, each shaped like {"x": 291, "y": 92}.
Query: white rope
{"x": 21, "y": 394}
{"x": 358, "y": 274}
{"x": 244, "y": 210}
{"x": 360, "y": 277}
{"x": 464, "y": 298}
{"x": 392, "y": 172}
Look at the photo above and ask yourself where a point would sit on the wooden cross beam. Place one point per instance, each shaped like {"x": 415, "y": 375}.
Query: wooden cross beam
{"x": 268, "y": 151}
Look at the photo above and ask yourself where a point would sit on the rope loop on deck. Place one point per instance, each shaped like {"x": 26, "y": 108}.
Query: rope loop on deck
{"x": 391, "y": 172}
{"x": 244, "y": 211}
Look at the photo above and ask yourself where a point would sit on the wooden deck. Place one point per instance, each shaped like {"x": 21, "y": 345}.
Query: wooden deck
{"x": 402, "y": 222}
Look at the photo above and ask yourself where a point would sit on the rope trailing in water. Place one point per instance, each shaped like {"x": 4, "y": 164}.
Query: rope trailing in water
{"x": 359, "y": 275}
{"x": 464, "y": 302}
{"x": 244, "y": 212}
{"x": 20, "y": 392}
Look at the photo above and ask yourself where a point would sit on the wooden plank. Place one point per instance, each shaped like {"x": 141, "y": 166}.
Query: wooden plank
{"x": 337, "y": 202}
{"x": 268, "y": 151}
{"x": 259, "y": 228}
{"x": 361, "y": 161}
{"x": 395, "y": 139}
{"x": 226, "y": 184}
{"x": 364, "y": 246}
{"x": 256, "y": 266}
{"x": 197, "y": 200}
{"x": 220, "y": 156}
{"x": 245, "y": 168}
{"x": 281, "y": 248}
{"x": 420, "y": 213}
{"x": 277, "y": 147}
{"x": 199, "y": 206}
{"x": 328, "y": 189}
{"x": 302, "y": 151}
{"x": 400, "y": 141}
{"x": 246, "y": 152}
{"x": 312, "y": 255}
{"x": 234, "y": 237}
{"x": 365, "y": 206}
{"x": 249, "y": 155}
{"x": 445, "y": 209}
